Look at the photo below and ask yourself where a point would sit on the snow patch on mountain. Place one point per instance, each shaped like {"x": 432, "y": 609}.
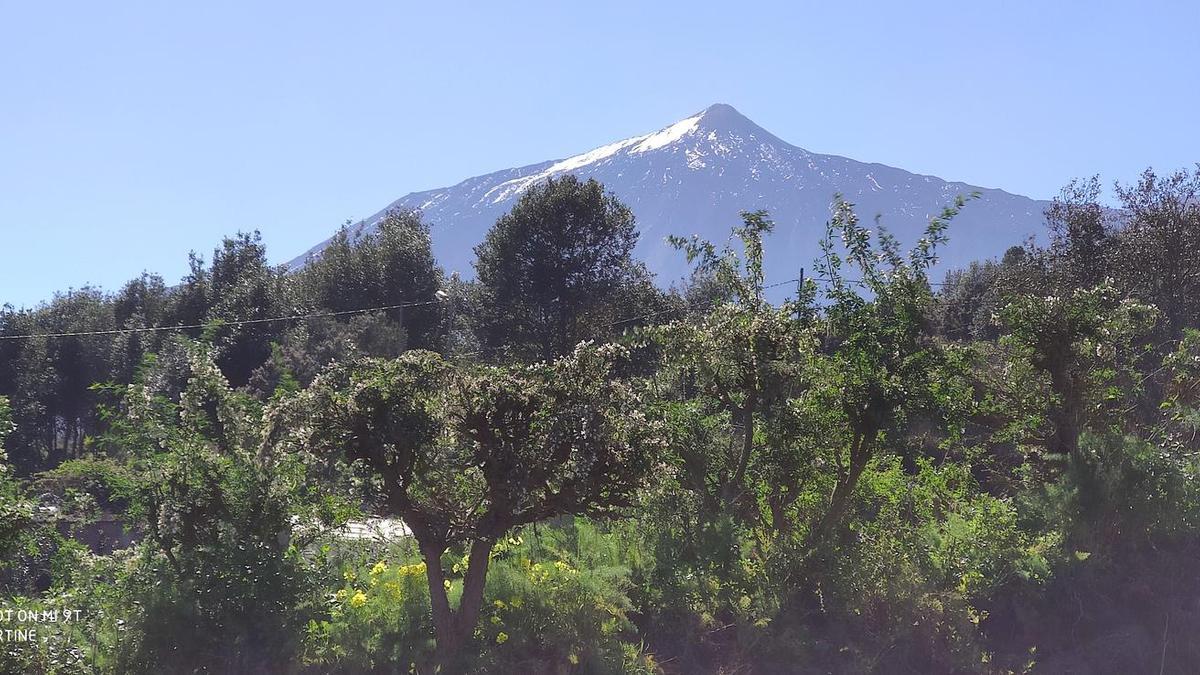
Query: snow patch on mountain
{"x": 638, "y": 144}
{"x": 668, "y": 135}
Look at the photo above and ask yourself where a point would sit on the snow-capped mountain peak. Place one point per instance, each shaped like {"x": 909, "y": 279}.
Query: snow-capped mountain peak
{"x": 697, "y": 124}
{"x": 696, "y": 175}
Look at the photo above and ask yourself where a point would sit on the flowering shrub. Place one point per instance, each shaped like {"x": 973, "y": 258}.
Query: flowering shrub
{"x": 379, "y": 617}
{"x": 552, "y": 616}
{"x": 550, "y": 608}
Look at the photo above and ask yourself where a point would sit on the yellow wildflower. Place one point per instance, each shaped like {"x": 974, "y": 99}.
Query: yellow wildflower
{"x": 359, "y": 599}
{"x": 412, "y": 570}
{"x": 501, "y": 638}
{"x": 379, "y": 568}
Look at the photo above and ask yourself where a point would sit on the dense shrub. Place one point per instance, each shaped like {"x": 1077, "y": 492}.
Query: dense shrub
{"x": 556, "y": 602}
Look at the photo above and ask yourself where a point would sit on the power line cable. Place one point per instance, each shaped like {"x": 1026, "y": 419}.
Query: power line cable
{"x": 195, "y": 326}
{"x": 676, "y": 309}
{"x": 294, "y": 317}
{"x": 686, "y": 307}
{"x": 324, "y": 315}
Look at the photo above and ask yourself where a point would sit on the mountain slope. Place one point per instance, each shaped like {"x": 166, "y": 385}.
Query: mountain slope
{"x": 696, "y": 175}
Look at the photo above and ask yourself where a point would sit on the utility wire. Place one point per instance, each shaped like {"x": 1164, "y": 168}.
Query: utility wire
{"x": 324, "y": 315}
{"x": 675, "y": 309}
{"x": 862, "y": 282}
{"x": 194, "y": 326}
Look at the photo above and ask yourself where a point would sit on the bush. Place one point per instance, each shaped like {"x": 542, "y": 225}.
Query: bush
{"x": 557, "y": 602}
{"x": 379, "y": 621}
{"x": 110, "y": 483}
{"x": 85, "y": 617}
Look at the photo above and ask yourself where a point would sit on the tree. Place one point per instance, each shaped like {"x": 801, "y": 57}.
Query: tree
{"x": 242, "y": 286}
{"x": 1079, "y": 234}
{"x": 554, "y": 269}
{"x": 48, "y": 378}
{"x": 393, "y": 265}
{"x": 15, "y": 512}
{"x": 141, "y": 303}
{"x": 787, "y": 397}
{"x": 739, "y": 364}
{"x": 464, "y": 455}
{"x": 214, "y": 504}
{"x": 969, "y": 300}
{"x": 884, "y": 366}
{"x": 1084, "y": 343}
{"x": 1159, "y": 244}
{"x": 190, "y": 301}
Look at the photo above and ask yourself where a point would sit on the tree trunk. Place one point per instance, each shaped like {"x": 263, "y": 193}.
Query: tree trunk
{"x": 735, "y": 488}
{"x": 839, "y": 502}
{"x": 443, "y": 616}
{"x": 453, "y": 628}
{"x": 473, "y": 585}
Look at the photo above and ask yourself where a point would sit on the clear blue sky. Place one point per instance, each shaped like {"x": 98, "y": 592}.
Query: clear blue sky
{"x": 132, "y": 132}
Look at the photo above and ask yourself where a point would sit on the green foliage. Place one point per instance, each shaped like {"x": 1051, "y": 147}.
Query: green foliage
{"x": 867, "y": 478}
{"x": 47, "y": 380}
{"x": 1157, "y": 244}
{"x": 1083, "y": 345}
{"x": 745, "y": 363}
{"x": 110, "y": 483}
{"x": 777, "y": 417}
{"x": 556, "y": 601}
{"x": 464, "y": 455}
{"x": 922, "y": 556}
{"x": 93, "y": 626}
{"x": 242, "y": 286}
{"x": 379, "y": 619}
{"x": 213, "y": 504}
{"x": 552, "y": 614}
{"x": 557, "y": 269}
{"x": 15, "y": 511}
{"x": 969, "y": 301}
{"x": 392, "y": 265}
